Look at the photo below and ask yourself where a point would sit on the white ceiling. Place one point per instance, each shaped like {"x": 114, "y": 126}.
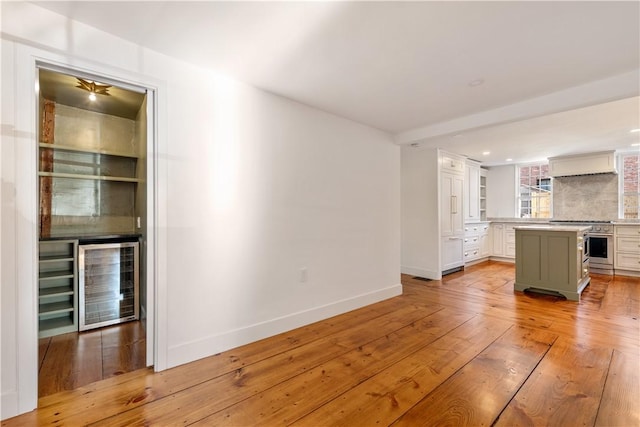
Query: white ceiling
{"x": 407, "y": 67}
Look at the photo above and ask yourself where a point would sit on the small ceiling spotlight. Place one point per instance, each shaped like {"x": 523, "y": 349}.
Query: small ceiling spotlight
{"x": 634, "y": 130}
{"x": 509, "y": 160}
{"x": 486, "y": 153}
{"x": 92, "y": 96}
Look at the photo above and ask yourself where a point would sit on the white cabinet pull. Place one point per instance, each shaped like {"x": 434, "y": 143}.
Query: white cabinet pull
{"x": 454, "y": 204}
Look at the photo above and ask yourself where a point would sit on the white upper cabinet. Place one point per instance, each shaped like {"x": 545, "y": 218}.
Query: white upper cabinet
{"x": 472, "y": 191}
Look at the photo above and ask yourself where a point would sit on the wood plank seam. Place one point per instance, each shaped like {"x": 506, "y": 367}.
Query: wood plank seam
{"x": 523, "y": 382}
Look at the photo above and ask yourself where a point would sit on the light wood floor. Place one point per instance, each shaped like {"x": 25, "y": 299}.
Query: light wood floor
{"x": 69, "y": 361}
{"x": 466, "y": 350}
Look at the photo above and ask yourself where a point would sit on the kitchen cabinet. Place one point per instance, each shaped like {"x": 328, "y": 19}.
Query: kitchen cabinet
{"x": 476, "y": 242}
{"x": 504, "y": 240}
{"x": 472, "y": 191}
{"x": 627, "y": 249}
{"x": 552, "y": 259}
{"x": 57, "y": 287}
{"x": 452, "y": 211}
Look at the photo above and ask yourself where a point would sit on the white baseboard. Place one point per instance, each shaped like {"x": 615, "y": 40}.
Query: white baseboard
{"x": 502, "y": 259}
{"x": 427, "y": 274}
{"x": 208, "y": 346}
{"x": 629, "y": 273}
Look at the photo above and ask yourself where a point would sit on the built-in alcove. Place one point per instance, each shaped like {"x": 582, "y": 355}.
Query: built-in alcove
{"x": 92, "y": 165}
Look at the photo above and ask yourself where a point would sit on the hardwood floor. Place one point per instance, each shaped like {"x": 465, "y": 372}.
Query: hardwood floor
{"x": 72, "y": 360}
{"x": 466, "y": 350}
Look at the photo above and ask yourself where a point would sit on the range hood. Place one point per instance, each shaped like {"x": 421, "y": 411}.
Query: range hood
{"x": 583, "y": 164}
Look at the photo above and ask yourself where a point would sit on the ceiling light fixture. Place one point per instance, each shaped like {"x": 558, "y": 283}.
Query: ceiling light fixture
{"x": 637, "y": 144}
{"x": 486, "y": 153}
{"x": 635, "y": 130}
{"x": 94, "y": 88}
{"x": 509, "y": 160}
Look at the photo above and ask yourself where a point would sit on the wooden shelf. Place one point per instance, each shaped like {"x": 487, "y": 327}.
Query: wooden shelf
{"x": 56, "y": 291}
{"x": 87, "y": 150}
{"x": 51, "y": 275}
{"x": 56, "y": 326}
{"x": 93, "y": 177}
{"x": 54, "y": 258}
{"x": 56, "y": 307}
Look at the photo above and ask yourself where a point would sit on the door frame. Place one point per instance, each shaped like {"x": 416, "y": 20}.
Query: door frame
{"x": 28, "y": 60}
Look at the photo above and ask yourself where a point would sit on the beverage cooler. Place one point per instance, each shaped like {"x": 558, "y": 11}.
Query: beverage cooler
{"x": 109, "y": 284}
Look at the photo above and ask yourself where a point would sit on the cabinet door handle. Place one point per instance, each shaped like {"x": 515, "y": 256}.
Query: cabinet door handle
{"x": 454, "y": 204}
{"x": 455, "y": 238}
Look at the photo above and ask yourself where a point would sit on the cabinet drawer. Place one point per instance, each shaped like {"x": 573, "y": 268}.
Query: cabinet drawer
{"x": 471, "y": 241}
{"x": 627, "y": 261}
{"x": 510, "y": 237}
{"x": 471, "y": 254}
{"x": 627, "y": 231}
{"x": 628, "y": 244}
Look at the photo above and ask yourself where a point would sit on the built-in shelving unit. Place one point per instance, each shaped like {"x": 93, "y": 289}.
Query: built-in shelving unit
{"x": 84, "y": 163}
{"x": 90, "y": 190}
{"x": 57, "y": 287}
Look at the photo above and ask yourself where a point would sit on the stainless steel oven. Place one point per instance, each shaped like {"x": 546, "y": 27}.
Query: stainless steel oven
{"x": 598, "y": 245}
{"x": 600, "y": 249}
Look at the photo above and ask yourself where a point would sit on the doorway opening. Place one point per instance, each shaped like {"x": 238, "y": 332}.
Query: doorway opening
{"x": 94, "y": 223}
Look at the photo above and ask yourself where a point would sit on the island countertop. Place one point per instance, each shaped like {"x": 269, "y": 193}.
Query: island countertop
{"x": 549, "y": 227}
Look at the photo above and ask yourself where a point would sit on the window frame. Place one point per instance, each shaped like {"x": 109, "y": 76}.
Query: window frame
{"x": 621, "y": 193}
{"x": 542, "y": 184}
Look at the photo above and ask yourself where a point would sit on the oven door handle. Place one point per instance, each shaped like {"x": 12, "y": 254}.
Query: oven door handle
{"x": 599, "y": 235}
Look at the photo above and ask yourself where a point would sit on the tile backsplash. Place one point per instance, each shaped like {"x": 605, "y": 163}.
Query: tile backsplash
{"x": 585, "y": 197}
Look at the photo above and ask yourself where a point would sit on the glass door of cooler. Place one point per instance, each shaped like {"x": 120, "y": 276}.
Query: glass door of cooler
{"x": 108, "y": 282}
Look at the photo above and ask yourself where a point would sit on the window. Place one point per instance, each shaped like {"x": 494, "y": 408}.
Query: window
{"x": 629, "y": 185}
{"x": 535, "y": 191}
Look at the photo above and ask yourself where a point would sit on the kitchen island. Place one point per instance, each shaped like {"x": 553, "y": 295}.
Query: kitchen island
{"x": 552, "y": 259}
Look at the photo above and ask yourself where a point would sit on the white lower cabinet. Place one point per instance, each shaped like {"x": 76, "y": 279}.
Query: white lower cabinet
{"x": 452, "y": 252}
{"x": 503, "y": 244}
{"x": 627, "y": 248}
{"x": 476, "y": 241}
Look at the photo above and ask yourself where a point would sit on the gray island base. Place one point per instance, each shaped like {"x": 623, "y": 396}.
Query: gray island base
{"x": 551, "y": 259}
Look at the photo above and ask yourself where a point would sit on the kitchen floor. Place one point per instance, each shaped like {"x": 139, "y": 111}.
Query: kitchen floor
{"x": 464, "y": 350}
{"x": 69, "y": 361}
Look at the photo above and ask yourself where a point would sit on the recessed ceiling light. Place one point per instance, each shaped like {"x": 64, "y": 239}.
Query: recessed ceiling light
{"x": 486, "y": 153}
{"x": 635, "y": 130}
{"x": 637, "y": 144}
{"x": 476, "y": 82}
{"x": 509, "y": 160}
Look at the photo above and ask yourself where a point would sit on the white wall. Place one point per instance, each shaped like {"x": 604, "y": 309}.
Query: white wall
{"x": 253, "y": 189}
{"x": 502, "y": 192}
{"x": 420, "y": 212}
